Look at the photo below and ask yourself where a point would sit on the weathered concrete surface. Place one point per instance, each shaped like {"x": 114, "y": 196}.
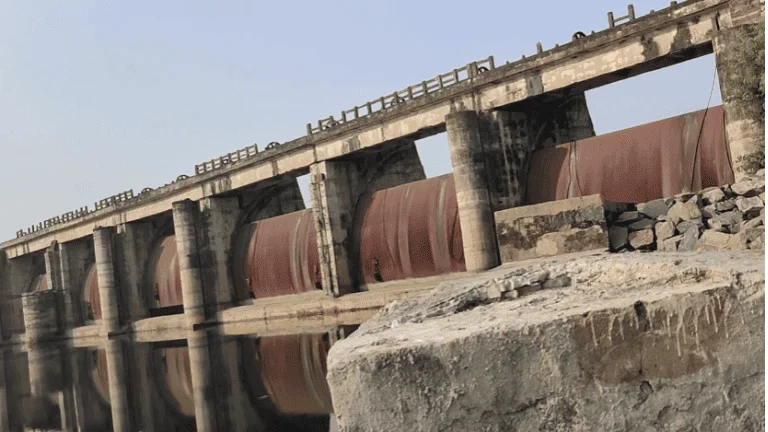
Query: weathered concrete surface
{"x": 553, "y": 228}
{"x": 628, "y": 342}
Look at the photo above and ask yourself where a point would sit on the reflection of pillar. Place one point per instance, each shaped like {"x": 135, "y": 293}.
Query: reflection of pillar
{"x": 118, "y": 386}
{"x": 185, "y": 214}
{"x": 202, "y": 381}
{"x": 105, "y": 272}
{"x": 10, "y": 393}
{"x": 465, "y": 143}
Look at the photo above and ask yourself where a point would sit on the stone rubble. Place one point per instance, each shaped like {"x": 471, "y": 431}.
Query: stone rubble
{"x": 716, "y": 218}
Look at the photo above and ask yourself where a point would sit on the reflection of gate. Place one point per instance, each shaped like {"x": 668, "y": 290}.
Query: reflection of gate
{"x": 635, "y": 165}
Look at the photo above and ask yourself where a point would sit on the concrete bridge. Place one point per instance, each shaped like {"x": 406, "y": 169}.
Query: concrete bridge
{"x": 232, "y": 246}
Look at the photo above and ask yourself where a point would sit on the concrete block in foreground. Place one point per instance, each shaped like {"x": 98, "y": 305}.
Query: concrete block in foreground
{"x": 671, "y": 341}
{"x": 551, "y": 228}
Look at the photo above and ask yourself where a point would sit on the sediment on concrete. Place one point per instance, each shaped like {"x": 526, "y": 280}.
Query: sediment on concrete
{"x": 671, "y": 341}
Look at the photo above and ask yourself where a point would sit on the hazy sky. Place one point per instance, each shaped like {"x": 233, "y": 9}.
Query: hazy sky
{"x": 97, "y": 97}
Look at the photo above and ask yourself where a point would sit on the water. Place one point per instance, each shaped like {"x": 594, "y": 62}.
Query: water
{"x": 208, "y": 381}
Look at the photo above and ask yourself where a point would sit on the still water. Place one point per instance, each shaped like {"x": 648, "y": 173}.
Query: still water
{"x": 208, "y": 381}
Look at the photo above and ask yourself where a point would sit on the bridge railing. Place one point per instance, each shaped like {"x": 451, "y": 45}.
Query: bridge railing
{"x": 390, "y": 101}
{"x": 226, "y": 159}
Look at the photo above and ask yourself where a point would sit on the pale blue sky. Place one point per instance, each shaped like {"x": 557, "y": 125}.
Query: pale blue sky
{"x": 97, "y": 97}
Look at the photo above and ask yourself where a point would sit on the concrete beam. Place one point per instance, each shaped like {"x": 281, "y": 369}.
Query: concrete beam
{"x": 648, "y": 43}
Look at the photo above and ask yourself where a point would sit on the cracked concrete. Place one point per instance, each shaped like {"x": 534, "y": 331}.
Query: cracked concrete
{"x": 632, "y": 341}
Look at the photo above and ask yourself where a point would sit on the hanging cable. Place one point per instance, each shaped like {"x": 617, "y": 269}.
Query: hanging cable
{"x": 701, "y": 129}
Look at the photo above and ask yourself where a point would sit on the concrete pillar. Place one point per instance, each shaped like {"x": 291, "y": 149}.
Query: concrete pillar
{"x": 118, "y": 386}
{"x": 185, "y": 217}
{"x": 740, "y": 74}
{"x": 202, "y": 382}
{"x": 465, "y": 142}
{"x": 133, "y": 248}
{"x": 103, "y": 240}
{"x": 333, "y": 188}
{"x": 41, "y": 316}
{"x": 507, "y": 152}
{"x": 74, "y": 259}
{"x": 219, "y": 217}
{"x": 336, "y": 188}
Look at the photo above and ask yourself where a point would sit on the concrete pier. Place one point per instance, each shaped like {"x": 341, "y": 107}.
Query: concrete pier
{"x": 744, "y": 122}
{"x": 337, "y": 187}
{"x": 133, "y": 246}
{"x": 219, "y": 219}
{"x": 185, "y": 214}
{"x": 74, "y": 258}
{"x": 103, "y": 240}
{"x": 465, "y": 141}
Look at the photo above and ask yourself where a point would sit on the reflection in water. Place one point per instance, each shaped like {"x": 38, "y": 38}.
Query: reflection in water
{"x": 283, "y": 380}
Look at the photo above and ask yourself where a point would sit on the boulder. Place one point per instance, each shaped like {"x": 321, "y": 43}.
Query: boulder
{"x": 723, "y": 220}
{"x": 749, "y": 187}
{"x": 690, "y": 237}
{"x": 758, "y": 243}
{"x": 628, "y": 217}
{"x": 670, "y": 244}
{"x": 551, "y": 228}
{"x": 725, "y": 205}
{"x": 642, "y": 224}
{"x": 712, "y": 195}
{"x": 695, "y": 224}
{"x": 618, "y": 236}
{"x": 750, "y": 204}
{"x": 760, "y": 173}
{"x": 713, "y": 240}
{"x": 660, "y": 342}
{"x": 642, "y": 239}
{"x": 684, "y": 211}
{"x": 664, "y": 230}
{"x": 653, "y": 209}
{"x": 752, "y": 223}
{"x": 708, "y": 211}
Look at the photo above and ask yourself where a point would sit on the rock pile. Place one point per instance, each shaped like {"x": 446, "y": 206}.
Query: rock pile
{"x": 717, "y": 218}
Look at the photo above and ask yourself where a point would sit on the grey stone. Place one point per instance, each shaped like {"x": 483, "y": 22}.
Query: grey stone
{"x": 653, "y": 209}
{"x": 696, "y": 199}
{"x": 713, "y": 240}
{"x": 758, "y": 243}
{"x": 618, "y": 236}
{"x": 752, "y": 223}
{"x": 641, "y": 239}
{"x": 689, "y": 224}
{"x": 664, "y": 230}
{"x": 717, "y": 225}
{"x": 760, "y": 173}
{"x": 628, "y": 217}
{"x": 725, "y": 219}
{"x": 690, "y": 237}
{"x": 762, "y": 196}
{"x": 684, "y": 196}
{"x": 684, "y": 211}
{"x": 749, "y": 204}
{"x": 712, "y": 195}
{"x": 749, "y": 187}
{"x": 708, "y": 211}
{"x": 745, "y": 236}
{"x": 641, "y": 224}
{"x": 670, "y": 244}
{"x": 725, "y": 205}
